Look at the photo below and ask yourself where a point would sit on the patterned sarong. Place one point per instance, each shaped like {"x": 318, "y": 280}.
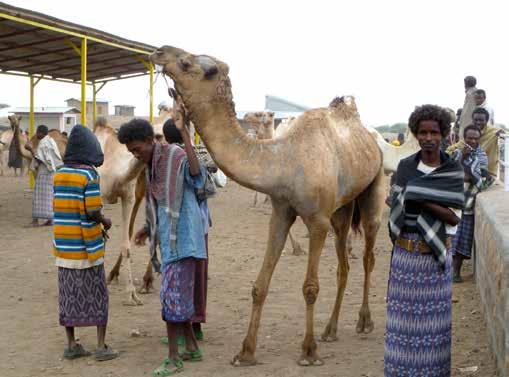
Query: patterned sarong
{"x": 419, "y": 304}
{"x": 177, "y": 290}
{"x": 42, "y": 202}
{"x": 82, "y": 296}
{"x": 200, "y": 288}
{"x": 464, "y": 238}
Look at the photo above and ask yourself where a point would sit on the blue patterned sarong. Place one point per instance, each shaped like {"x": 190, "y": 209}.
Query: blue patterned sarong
{"x": 177, "y": 290}
{"x": 419, "y": 304}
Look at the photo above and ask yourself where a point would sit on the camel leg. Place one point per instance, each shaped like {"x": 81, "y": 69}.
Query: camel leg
{"x": 341, "y": 221}
{"x": 297, "y": 249}
{"x": 115, "y": 271}
{"x": 281, "y": 220}
{"x": 255, "y": 201}
{"x": 318, "y": 227}
{"x": 127, "y": 208}
{"x": 349, "y": 247}
{"x": 148, "y": 280}
{"x": 371, "y": 204}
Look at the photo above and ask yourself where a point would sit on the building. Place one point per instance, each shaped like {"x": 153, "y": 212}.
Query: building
{"x": 101, "y": 105}
{"x": 281, "y": 108}
{"x": 124, "y": 110}
{"x": 59, "y": 118}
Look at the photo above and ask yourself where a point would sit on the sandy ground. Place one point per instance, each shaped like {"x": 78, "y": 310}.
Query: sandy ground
{"x": 32, "y": 341}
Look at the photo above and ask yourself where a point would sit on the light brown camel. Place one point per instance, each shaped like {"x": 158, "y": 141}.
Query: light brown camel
{"x": 121, "y": 178}
{"x": 316, "y": 171}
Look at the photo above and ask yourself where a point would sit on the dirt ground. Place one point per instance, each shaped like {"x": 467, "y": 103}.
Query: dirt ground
{"x": 32, "y": 341}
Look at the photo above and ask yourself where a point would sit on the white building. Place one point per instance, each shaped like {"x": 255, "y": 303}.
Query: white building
{"x": 60, "y": 118}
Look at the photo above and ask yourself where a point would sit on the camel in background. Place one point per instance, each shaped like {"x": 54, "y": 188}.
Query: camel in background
{"x": 316, "y": 171}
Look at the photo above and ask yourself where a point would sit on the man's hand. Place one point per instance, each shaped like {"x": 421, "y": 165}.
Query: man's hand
{"x": 106, "y": 223}
{"x": 466, "y": 151}
{"x": 29, "y": 146}
{"x": 141, "y": 236}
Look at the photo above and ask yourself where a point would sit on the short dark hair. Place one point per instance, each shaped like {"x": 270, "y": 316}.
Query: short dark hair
{"x": 171, "y": 133}
{"x": 42, "y": 129}
{"x": 470, "y": 127}
{"x": 480, "y": 110}
{"x": 481, "y": 92}
{"x": 136, "y": 129}
{"x": 470, "y": 81}
{"x": 430, "y": 112}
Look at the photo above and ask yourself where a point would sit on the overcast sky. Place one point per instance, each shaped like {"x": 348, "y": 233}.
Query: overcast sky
{"x": 391, "y": 55}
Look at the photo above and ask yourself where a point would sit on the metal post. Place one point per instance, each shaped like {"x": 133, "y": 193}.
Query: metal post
{"x": 31, "y": 126}
{"x": 151, "y": 90}
{"x": 506, "y": 163}
{"x": 94, "y": 104}
{"x": 84, "y": 81}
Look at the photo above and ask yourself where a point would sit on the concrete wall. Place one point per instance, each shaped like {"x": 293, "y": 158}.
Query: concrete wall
{"x": 52, "y": 121}
{"x": 492, "y": 269}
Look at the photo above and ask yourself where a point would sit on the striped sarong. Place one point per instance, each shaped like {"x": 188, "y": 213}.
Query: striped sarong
{"x": 419, "y": 315}
{"x": 177, "y": 290}
{"x": 82, "y": 296}
{"x": 464, "y": 238}
{"x": 42, "y": 202}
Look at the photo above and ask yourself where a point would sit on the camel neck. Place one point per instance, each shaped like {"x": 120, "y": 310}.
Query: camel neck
{"x": 243, "y": 159}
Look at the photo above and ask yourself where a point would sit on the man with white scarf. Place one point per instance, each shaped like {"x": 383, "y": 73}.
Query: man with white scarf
{"x": 46, "y": 160}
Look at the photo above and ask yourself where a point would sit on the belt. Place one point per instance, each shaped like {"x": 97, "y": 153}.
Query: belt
{"x": 418, "y": 245}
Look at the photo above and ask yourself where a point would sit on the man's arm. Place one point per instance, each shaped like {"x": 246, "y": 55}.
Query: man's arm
{"x": 194, "y": 164}
{"x": 443, "y": 213}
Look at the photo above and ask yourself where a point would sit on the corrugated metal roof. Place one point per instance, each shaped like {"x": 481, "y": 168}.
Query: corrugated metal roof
{"x": 97, "y": 100}
{"x": 47, "y": 110}
{"x": 28, "y": 46}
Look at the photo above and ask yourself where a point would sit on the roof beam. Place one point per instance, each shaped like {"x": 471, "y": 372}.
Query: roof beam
{"x": 19, "y": 32}
{"x": 44, "y": 41}
{"x": 89, "y": 63}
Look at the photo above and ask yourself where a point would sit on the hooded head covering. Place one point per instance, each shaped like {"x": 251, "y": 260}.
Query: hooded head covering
{"x": 83, "y": 148}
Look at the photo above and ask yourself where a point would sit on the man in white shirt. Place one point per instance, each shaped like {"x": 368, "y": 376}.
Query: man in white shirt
{"x": 480, "y": 101}
{"x": 469, "y": 104}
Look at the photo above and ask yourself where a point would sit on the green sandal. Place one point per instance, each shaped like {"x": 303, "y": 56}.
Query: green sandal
{"x": 75, "y": 352}
{"x": 192, "y": 356}
{"x": 169, "y": 367}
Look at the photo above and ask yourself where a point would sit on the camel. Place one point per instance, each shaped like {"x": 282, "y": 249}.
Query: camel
{"x": 315, "y": 171}
{"x": 121, "y": 178}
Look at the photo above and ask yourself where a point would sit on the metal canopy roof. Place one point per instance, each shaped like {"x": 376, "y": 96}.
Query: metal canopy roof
{"x": 36, "y": 44}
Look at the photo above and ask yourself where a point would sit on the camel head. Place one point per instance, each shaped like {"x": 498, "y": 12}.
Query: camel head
{"x": 14, "y": 120}
{"x": 199, "y": 79}
{"x": 345, "y": 107}
{"x": 263, "y": 122}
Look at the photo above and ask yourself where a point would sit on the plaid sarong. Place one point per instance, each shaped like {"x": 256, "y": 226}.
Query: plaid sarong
{"x": 42, "y": 202}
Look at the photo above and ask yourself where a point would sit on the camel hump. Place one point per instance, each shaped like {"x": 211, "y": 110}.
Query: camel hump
{"x": 344, "y": 106}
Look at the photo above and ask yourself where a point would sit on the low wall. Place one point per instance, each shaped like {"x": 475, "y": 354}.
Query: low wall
{"x": 492, "y": 269}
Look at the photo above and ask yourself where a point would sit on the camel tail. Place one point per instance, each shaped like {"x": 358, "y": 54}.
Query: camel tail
{"x": 356, "y": 218}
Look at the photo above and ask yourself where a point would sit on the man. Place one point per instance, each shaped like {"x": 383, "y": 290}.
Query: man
{"x": 45, "y": 162}
{"x": 474, "y": 161}
{"x": 488, "y": 141}
{"x": 480, "y": 101}
{"x": 174, "y": 221}
{"x": 469, "y": 105}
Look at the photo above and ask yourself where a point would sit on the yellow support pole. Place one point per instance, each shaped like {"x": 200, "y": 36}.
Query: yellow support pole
{"x": 94, "y": 104}
{"x": 31, "y": 121}
{"x": 151, "y": 91}
{"x": 84, "y": 82}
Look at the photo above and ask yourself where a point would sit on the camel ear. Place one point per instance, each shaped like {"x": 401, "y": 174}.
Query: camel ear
{"x": 19, "y": 117}
{"x": 184, "y": 63}
{"x": 208, "y": 65}
{"x": 271, "y": 113}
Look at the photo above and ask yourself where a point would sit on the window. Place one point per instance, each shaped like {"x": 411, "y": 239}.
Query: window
{"x": 68, "y": 120}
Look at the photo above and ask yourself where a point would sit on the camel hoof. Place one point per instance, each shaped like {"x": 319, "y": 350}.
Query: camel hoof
{"x": 239, "y": 361}
{"x": 329, "y": 338}
{"x": 145, "y": 290}
{"x": 365, "y": 325}
{"x": 310, "y": 362}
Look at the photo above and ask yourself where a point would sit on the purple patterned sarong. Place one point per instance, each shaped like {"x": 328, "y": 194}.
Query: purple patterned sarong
{"x": 419, "y": 317}
{"x": 82, "y": 297}
{"x": 177, "y": 290}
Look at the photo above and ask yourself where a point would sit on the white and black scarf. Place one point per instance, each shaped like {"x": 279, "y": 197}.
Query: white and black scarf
{"x": 443, "y": 186}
